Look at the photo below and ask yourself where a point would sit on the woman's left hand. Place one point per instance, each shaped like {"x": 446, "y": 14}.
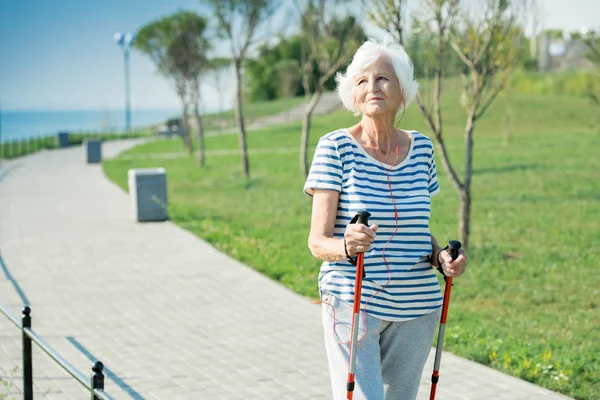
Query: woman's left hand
{"x": 453, "y": 269}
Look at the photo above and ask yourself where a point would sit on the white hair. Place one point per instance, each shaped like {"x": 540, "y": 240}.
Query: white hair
{"x": 366, "y": 55}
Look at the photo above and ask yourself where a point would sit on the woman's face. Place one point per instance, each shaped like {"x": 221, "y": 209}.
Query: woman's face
{"x": 377, "y": 90}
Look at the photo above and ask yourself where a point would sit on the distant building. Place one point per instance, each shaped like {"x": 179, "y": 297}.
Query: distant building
{"x": 561, "y": 54}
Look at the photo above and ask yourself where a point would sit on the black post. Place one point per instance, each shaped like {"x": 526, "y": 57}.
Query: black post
{"x": 27, "y": 359}
{"x": 97, "y": 378}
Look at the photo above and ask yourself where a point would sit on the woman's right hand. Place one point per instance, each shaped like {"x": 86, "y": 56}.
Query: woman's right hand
{"x": 359, "y": 238}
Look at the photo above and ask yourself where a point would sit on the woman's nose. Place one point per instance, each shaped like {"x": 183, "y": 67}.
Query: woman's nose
{"x": 371, "y": 85}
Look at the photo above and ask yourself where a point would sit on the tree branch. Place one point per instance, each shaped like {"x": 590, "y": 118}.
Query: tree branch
{"x": 461, "y": 55}
{"x": 426, "y": 113}
{"x": 495, "y": 93}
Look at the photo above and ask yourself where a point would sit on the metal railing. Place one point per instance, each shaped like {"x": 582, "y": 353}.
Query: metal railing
{"x": 95, "y": 384}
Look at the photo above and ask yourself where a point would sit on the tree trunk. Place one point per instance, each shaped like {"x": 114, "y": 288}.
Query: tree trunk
{"x": 310, "y": 107}
{"x": 185, "y": 132}
{"x": 464, "y": 223}
{"x": 465, "y": 192}
{"x": 239, "y": 116}
{"x": 199, "y": 124}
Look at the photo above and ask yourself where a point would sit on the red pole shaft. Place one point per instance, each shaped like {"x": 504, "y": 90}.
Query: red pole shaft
{"x": 438, "y": 352}
{"x": 447, "y": 290}
{"x": 355, "y": 323}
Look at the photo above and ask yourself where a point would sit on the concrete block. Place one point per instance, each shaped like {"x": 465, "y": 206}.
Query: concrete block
{"x": 148, "y": 194}
{"x": 93, "y": 151}
{"x": 63, "y": 139}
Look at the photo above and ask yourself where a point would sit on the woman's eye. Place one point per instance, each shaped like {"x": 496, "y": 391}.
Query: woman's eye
{"x": 361, "y": 81}
{"x": 382, "y": 77}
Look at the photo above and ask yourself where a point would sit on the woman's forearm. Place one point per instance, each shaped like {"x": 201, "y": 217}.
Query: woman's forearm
{"x": 326, "y": 248}
{"x": 435, "y": 252}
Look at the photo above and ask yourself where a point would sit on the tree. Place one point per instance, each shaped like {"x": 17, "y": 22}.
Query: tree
{"x": 259, "y": 70}
{"x": 281, "y": 59}
{"x": 177, "y": 47}
{"x": 535, "y": 22}
{"x": 327, "y": 44}
{"x": 213, "y": 74}
{"x": 248, "y": 15}
{"x": 486, "y": 42}
{"x": 592, "y": 42}
{"x": 196, "y": 46}
{"x": 387, "y": 14}
{"x": 554, "y": 34}
{"x": 289, "y": 76}
{"x": 489, "y": 46}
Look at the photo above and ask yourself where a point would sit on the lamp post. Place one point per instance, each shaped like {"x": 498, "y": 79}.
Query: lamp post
{"x": 124, "y": 40}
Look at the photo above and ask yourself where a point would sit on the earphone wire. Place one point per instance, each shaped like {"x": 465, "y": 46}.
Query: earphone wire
{"x": 387, "y": 171}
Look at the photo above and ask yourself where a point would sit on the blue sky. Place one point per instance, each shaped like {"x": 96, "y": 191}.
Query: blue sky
{"x": 60, "y": 54}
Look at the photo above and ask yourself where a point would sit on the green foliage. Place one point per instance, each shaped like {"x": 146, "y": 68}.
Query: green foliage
{"x": 7, "y": 385}
{"x": 248, "y": 14}
{"x": 421, "y": 47}
{"x": 491, "y": 47}
{"x": 554, "y": 33}
{"x": 18, "y": 148}
{"x": 283, "y": 60}
{"x": 527, "y": 304}
{"x": 261, "y": 71}
{"x": 389, "y": 16}
{"x": 592, "y": 42}
{"x": 176, "y": 44}
{"x": 571, "y": 83}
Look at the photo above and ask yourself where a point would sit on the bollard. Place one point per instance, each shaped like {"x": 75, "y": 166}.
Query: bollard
{"x": 93, "y": 151}
{"x": 148, "y": 194}
{"x": 63, "y": 139}
{"x": 27, "y": 357}
{"x": 97, "y": 378}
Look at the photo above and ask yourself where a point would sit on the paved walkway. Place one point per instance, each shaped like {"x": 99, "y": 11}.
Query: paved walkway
{"x": 170, "y": 317}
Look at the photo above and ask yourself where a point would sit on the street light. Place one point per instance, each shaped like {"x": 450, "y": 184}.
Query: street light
{"x": 124, "y": 40}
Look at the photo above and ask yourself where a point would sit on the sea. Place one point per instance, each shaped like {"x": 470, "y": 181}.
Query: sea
{"x": 20, "y": 125}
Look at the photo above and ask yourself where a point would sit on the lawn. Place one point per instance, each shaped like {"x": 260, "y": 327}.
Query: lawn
{"x": 252, "y": 112}
{"x": 529, "y": 302}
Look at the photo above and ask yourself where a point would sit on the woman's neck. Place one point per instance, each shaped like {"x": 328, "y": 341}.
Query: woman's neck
{"x": 379, "y": 133}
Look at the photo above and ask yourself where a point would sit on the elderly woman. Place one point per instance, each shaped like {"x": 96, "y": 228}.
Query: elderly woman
{"x": 391, "y": 173}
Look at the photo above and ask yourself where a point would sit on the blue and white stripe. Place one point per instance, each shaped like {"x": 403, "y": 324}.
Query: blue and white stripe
{"x": 341, "y": 164}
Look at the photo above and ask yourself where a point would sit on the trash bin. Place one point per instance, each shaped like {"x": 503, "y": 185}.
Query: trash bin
{"x": 63, "y": 139}
{"x": 148, "y": 194}
{"x": 93, "y": 151}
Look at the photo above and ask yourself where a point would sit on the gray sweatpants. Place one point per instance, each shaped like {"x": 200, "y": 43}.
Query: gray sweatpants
{"x": 390, "y": 358}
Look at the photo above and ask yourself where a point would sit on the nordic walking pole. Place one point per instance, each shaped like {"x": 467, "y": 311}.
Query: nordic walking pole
{"x": 453, "y": 247}
{"x": 362, "y": 217}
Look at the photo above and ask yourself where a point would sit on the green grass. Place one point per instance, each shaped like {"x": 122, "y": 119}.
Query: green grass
{"x": 529, "y": 301}
{"x": 573, "y": 83}
{"x": 252, "y": 112}
{"x": 31, "y": 145}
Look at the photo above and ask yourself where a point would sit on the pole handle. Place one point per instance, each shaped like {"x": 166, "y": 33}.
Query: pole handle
{"x": 361, "y": 217}
{"x": 453, "y": 247}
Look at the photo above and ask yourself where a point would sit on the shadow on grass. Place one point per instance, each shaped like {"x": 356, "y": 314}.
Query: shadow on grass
{"x": 508, "y": 168}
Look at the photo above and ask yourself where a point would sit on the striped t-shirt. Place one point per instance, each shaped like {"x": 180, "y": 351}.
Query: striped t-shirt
{"x": 340, "y": 163}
